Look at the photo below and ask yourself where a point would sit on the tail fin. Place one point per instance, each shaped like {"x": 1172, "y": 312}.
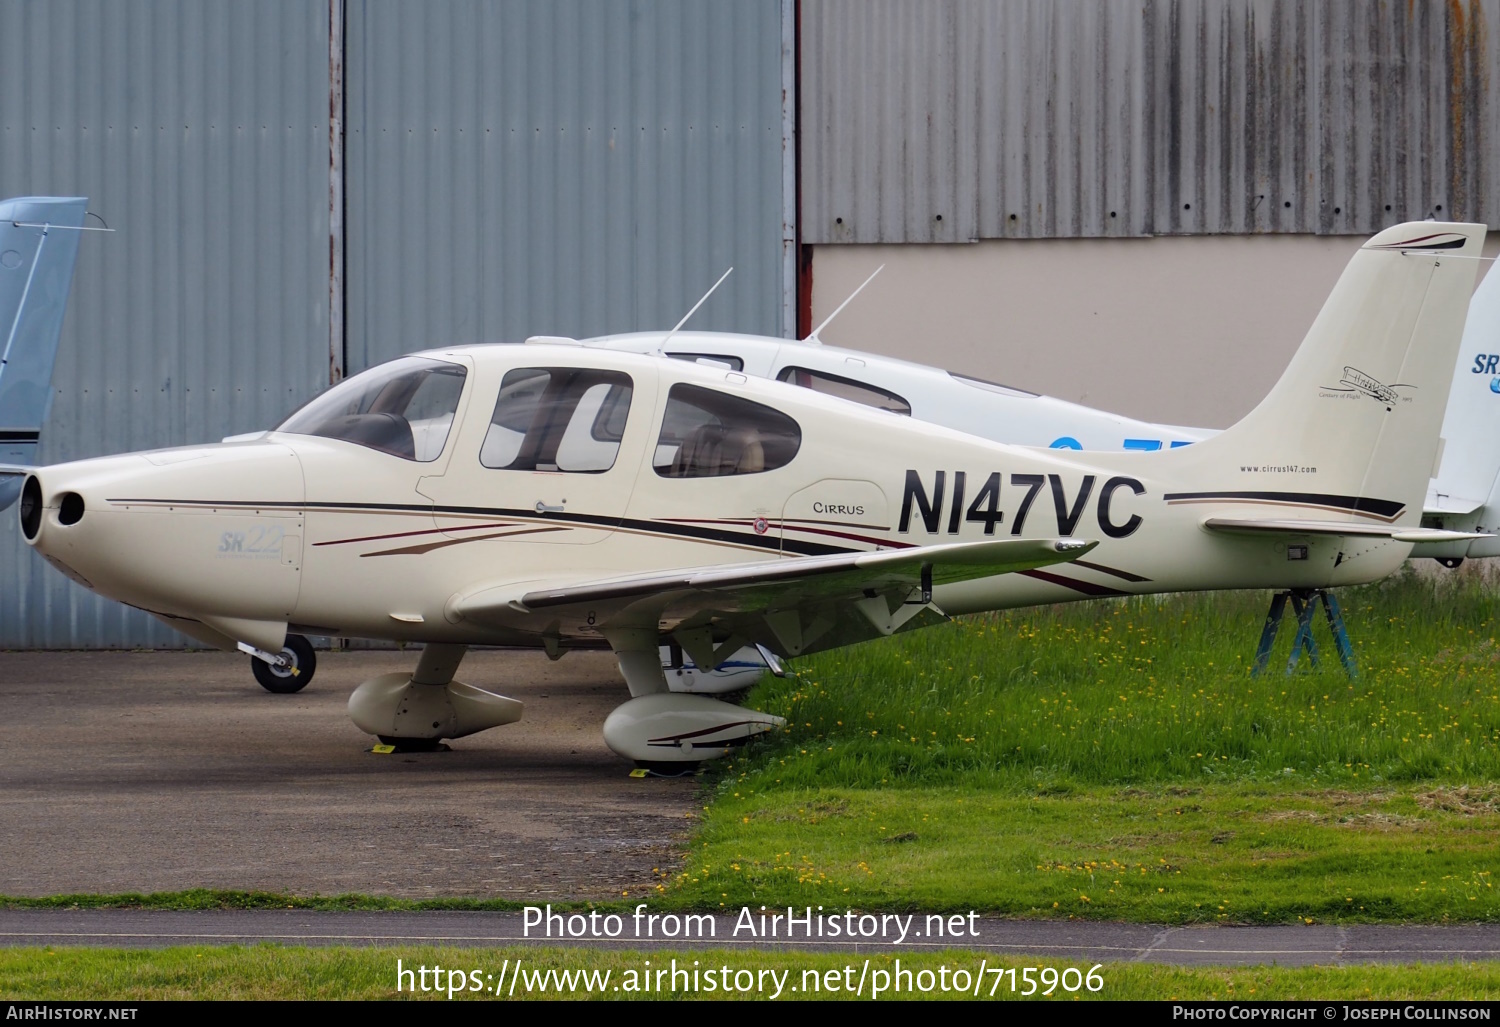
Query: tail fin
{"x": 36, "y": 272}
{"x": 1470, "y": 461}
{"x": 1352, "y": 425}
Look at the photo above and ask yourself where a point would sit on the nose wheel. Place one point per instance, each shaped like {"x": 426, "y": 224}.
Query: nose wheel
{"x": 300, "y": 664}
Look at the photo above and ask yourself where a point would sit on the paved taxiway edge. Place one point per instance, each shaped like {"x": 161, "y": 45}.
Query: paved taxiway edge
{"x": 1092, "y": 941}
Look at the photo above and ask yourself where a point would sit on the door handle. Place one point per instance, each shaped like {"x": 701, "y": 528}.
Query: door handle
{"x": 542, "y": 507}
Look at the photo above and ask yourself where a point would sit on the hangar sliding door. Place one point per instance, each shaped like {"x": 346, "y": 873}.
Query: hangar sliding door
{"x": 565, "y": 167}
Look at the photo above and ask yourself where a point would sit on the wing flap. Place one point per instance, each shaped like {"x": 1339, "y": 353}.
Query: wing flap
{"x": 830, "y": 576}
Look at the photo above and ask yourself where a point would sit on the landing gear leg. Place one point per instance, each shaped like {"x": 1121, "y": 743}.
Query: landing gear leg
{"x": 1304, "y": 605}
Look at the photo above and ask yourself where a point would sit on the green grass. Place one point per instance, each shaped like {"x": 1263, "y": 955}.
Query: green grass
{"x": 273, "y": 972}
{"x": 1117, "y": 760}
{"x": 1217, "y": 853}
{"x": 1151, "y": 690}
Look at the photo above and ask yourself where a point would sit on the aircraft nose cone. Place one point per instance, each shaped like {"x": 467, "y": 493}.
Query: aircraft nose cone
{"x": 52, "y": 513}
{"x": 198, "y": 530}
{"x": 48, "y": 504}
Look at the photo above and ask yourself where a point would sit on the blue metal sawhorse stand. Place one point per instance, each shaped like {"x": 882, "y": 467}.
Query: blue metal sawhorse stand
{"x": 1304, "y": 605}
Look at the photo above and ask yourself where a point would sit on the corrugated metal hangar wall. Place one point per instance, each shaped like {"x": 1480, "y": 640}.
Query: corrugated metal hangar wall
{"x": 571, "y": 168}
{"x": 956, "y": 120}
{"x": 548, "y": 166}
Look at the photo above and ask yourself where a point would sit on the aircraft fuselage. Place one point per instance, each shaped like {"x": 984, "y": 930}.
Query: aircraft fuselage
{"x": 332, "y": 536}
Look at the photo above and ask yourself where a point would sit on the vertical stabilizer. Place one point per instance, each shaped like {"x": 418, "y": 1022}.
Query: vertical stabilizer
{"x": 1355, "y": 417}
{"x": 36, "y": 272}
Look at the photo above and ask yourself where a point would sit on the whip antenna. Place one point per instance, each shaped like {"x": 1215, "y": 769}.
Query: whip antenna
{"x": 663, "y": 344}
{"x": 812, "y": 337}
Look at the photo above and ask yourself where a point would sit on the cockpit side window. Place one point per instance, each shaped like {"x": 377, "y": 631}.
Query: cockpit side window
{"x": 404, "y": 408}
{"x": 845, "y": 388}
{"x": 708, "y": 434}
{"x": 557, "y": 419}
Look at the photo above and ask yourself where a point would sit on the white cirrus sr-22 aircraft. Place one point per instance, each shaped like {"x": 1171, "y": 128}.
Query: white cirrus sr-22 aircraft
{"x": 562, "y": 497}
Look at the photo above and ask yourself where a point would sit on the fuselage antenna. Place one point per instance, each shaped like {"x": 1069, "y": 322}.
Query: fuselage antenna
{"x": 662, "y": 346}
{"x": 812, "y": 338}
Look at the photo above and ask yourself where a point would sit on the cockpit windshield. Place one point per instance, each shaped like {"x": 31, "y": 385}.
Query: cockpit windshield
{"x": 404, "y": 408}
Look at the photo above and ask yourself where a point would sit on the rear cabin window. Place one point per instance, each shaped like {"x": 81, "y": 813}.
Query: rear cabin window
{"x": 708, "y": 434}
{"x": 845, "y": 388}
{"x": 557, "y": 419}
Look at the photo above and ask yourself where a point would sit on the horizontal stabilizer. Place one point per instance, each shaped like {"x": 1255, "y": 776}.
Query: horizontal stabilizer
{"x": 1394, "y": 532}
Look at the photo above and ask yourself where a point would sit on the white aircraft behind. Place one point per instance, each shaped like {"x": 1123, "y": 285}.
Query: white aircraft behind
{"x": 1464, "y": 493}
{"x": 563, "y": 497}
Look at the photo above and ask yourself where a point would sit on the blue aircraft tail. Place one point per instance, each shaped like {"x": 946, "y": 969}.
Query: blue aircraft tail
{"x": 38, "y": 247}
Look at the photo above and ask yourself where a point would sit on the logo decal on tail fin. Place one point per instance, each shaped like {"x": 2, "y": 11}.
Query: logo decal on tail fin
{"x": 1355, "y": 380}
